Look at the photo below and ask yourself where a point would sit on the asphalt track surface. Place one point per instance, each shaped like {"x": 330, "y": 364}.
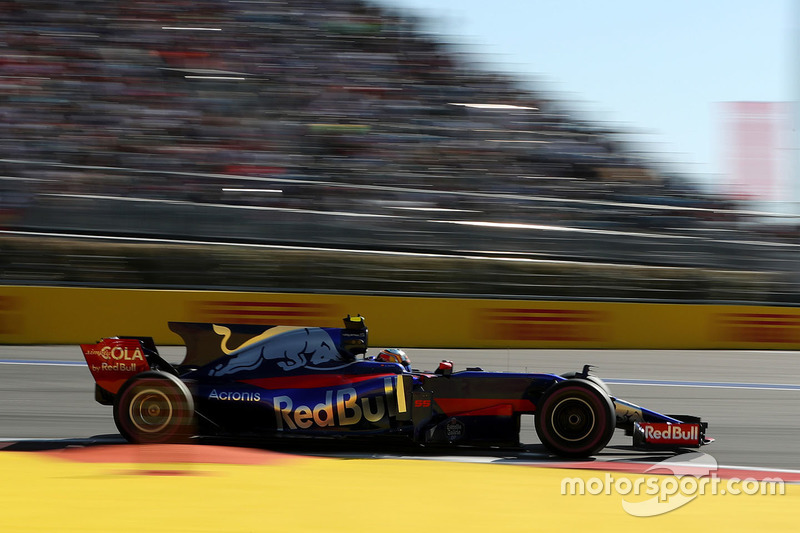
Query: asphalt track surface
{"x": 750, "y": 399}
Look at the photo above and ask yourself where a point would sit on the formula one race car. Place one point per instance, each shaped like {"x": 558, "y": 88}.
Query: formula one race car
{"x": 281, "y": 381}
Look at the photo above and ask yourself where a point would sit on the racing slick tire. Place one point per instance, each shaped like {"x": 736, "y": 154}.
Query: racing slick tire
{"x": 594, "y": 379}
{"x": 154, "y": 408}
{"x": 575, "y": 418}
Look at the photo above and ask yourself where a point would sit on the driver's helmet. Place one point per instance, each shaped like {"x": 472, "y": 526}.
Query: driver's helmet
{"x": 394, "y": 355}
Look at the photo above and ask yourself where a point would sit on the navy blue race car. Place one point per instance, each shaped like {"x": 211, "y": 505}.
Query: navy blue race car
{"x": 264, "y": 382}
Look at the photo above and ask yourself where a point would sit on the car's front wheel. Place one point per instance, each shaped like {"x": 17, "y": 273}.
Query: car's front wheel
{"x": 154, "y": 408}
{"x": 575, "y": 418}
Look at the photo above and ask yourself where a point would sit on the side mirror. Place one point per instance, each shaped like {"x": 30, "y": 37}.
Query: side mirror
{"x": 445, "y": 368}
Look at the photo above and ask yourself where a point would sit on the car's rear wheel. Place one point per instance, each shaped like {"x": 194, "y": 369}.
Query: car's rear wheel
{"x": 575, "y": 418}
{"x": 154, "y": 408}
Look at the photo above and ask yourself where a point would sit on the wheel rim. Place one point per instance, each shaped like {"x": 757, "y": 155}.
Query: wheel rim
{"x": 573, "y": 419}
{"x": 150, "y": 410}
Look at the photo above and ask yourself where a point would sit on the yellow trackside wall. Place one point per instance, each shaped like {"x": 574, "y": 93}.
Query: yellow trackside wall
{"x": 60, "y": 315}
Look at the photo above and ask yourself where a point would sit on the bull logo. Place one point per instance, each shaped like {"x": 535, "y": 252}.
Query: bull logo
{"x": 294, "y": 348}
{"x": 226, "y": 336}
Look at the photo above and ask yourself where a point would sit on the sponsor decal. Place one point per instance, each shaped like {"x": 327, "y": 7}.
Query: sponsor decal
{"x": 297, "y": 348}
{"x": 454, "y": 429}
{"x": 116, "y": 367}
{"x": 664, "y": 433}
{"x": 277, "y": 313}
{"x": 342, "y": 407}
{"x": 121, "y": 353}
{"x": 122, "y": 356}
{"x": 540, "y": 324}
{"x": 235, "y": 396}
{"x": 225, "y": 334}
{"x": 627, "y": 413}
{"x": 113, "y": 360}
{"x": 780, "y": 328}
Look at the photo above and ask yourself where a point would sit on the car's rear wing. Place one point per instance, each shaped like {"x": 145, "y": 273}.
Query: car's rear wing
{"x": 114, "y": 360}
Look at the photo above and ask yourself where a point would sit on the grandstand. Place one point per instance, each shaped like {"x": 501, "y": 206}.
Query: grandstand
{"x": 332, "y": 124}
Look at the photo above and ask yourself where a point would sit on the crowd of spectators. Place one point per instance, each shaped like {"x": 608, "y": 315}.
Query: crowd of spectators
{"x": 325, "y": 91}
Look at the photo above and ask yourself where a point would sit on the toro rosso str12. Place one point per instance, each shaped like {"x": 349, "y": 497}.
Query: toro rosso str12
{"x": 280, "y": 381}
